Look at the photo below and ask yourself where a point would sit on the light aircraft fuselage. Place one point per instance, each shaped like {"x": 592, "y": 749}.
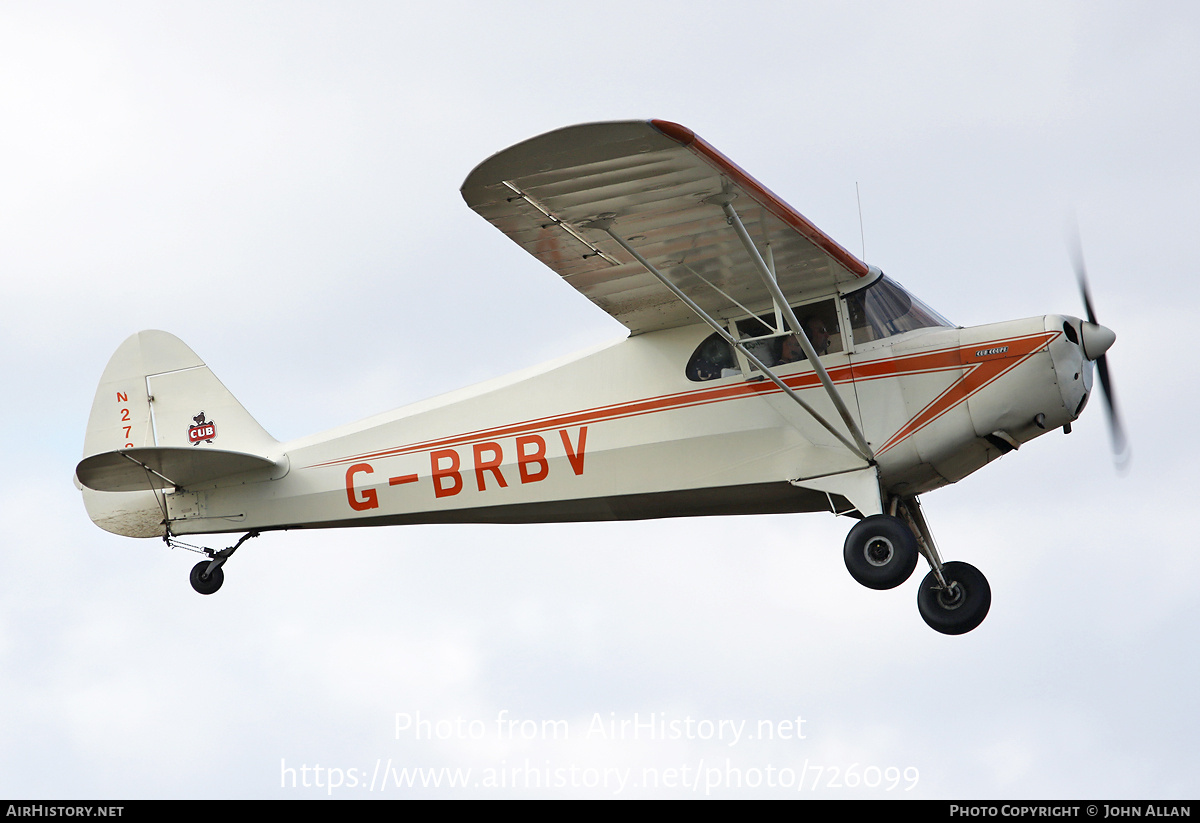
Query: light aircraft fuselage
{"x": 767, "y": 370}
{"x": 619, "y": 432}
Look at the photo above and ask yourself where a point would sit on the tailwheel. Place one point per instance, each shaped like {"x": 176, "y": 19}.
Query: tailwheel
{"x": 881, "y": 552}
{"x": 958, "y": 607}
{"x": 204, "y": 581}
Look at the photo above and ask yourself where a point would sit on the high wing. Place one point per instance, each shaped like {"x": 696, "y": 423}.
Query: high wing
{"x": 567, "y": 195}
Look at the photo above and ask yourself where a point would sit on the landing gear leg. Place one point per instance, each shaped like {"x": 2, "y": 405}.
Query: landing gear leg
{"x": 206, "y": 576}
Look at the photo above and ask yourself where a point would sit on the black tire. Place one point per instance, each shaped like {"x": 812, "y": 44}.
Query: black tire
{"x": 960, "y": 609}
{"x": 213, "y": 582}
{"x": 881, "y": 552}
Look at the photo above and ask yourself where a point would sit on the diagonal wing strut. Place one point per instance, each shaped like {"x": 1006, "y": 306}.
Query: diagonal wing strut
{"x": 781, "y": 303}
{"x": 861, "y": 449}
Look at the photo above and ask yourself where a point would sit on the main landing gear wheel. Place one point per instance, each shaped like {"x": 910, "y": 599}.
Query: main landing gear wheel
{"x": 960, "y": 607}
{"x": 881, "y": 552}
{"x": 209, "y": 584}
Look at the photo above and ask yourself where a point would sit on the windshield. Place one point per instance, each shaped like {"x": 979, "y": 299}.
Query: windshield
{"x": 884, "y": 309}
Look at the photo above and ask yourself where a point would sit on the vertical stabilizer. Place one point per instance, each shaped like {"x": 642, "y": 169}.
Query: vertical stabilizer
{"x": 155, "y": 391}
{"x": 157, "y": 394}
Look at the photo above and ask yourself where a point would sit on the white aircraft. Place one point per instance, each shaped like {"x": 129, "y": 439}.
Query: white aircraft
{"x": 767, "y": 370}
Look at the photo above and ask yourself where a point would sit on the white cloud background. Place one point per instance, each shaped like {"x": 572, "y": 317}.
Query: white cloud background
{"x": 277, "y": 184}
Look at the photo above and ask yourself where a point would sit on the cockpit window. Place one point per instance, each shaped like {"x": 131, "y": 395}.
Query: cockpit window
{"x": 778, "y": 348}
{"x": 715, "y": 358}
{"x": 881, "y": 310}
{"x": 821, "y": 326}
{"x": 884, "y": 309}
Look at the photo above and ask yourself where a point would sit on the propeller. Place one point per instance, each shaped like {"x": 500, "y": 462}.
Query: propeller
{"x": 1096, "y": 341}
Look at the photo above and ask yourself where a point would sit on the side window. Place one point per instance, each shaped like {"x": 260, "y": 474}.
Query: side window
{"x": 863, "y": 331}
{"x": 712, "y": 359}
{"x": 765, "y": 342}
{"x": 820, "y": 324}
{"x": 715, "y": 358}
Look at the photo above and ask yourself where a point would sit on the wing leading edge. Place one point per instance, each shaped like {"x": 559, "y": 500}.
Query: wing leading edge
{"x": 664, "y": 190}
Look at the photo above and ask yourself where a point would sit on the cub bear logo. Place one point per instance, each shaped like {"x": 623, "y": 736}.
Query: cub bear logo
{"x": 204, "y": 430}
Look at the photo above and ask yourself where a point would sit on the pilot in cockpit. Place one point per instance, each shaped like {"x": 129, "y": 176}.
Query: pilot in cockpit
{"x": 818, "y": 334}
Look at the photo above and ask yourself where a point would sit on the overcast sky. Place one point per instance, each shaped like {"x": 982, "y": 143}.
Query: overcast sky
{"x": 277, "y": 184}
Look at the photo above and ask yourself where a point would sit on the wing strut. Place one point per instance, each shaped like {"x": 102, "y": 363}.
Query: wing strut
{"x": 781, "y": 304}
{"x": 605, "y": 225}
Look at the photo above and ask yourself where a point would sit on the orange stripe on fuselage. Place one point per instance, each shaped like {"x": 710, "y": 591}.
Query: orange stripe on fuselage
{"x": 977, "y": 375}
{"x": 925, "y": 362}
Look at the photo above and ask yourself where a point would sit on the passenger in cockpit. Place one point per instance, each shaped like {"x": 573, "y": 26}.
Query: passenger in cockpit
{"x": 818, "y": 334}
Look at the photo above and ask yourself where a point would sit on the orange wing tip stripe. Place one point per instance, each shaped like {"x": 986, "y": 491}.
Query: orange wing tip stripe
{"x": 698, "y": 145}
{"x": 680, "y": 134}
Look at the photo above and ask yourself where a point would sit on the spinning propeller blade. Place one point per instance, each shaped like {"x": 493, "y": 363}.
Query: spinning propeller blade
{"x": 1100, "y": 343}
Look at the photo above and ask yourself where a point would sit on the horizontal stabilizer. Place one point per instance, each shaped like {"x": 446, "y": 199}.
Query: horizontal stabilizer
{"x": 165, "y": 467}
